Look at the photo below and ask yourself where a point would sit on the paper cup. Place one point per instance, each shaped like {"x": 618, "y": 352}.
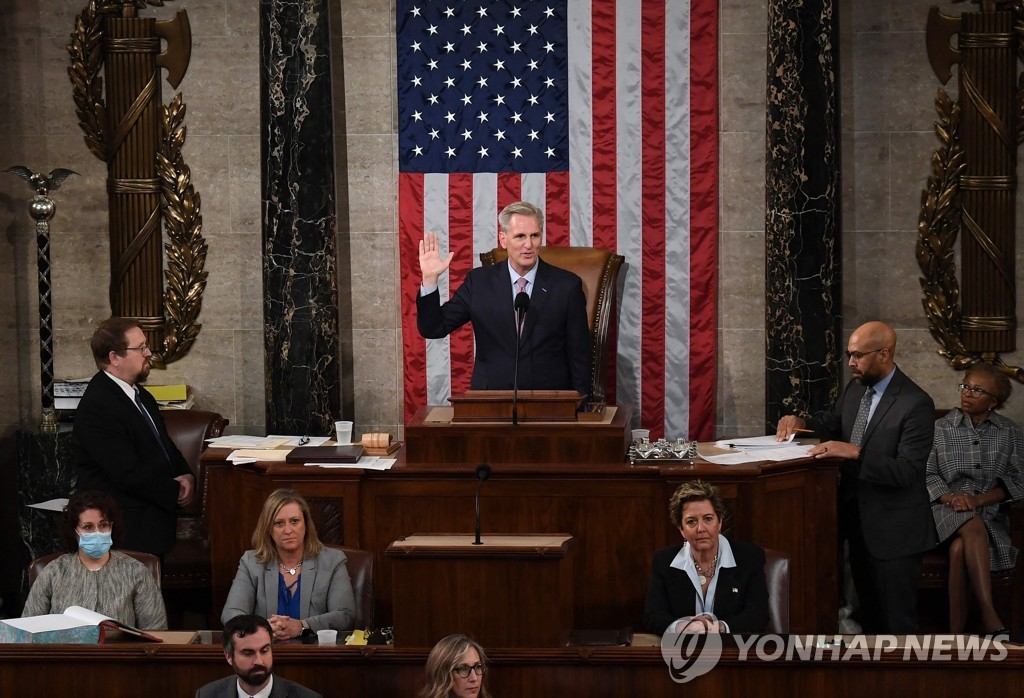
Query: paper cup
{"x": 343, "y": 432}
{"x": 327, "y": 637}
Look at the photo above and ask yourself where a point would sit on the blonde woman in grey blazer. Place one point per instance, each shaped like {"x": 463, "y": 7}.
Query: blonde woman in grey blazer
{"x": 289, "y": 577}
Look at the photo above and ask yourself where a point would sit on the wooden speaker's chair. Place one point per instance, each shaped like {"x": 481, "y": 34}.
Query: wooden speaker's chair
{"x": 599, "y": 270}
{"x": 152, "y": 563}
{"x": 776, "y": 573}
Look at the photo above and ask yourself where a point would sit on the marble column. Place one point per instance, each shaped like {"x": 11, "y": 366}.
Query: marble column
{"x": 803, "y": 284}
{"x": 300, "y": 280}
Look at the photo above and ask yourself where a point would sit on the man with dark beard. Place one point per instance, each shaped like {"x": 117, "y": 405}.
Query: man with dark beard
{"x": 882, "y": 426}
{"x": 121, "y": 444}
{"x": 247, "y": 648}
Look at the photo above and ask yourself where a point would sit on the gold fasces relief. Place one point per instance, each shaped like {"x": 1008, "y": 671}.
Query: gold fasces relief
{"x": 971, "y": 189}
{"x": 149, "y": 183}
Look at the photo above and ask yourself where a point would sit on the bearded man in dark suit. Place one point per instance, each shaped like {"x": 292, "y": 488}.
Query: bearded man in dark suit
{"x": 121, "y": 443}
{"x": 882, "y": 426}
{"x": 247, "y": 648}
{"x": 554, "y": 345}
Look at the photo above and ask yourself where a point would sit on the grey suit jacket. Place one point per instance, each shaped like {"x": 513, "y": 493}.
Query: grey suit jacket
{"x": 887, "y": 483}
{"x": 227, "y": 688}
{"x": 326, "y": 600}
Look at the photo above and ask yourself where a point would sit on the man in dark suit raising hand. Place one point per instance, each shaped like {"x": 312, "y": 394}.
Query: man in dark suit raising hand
{"x": 554, "y": 344}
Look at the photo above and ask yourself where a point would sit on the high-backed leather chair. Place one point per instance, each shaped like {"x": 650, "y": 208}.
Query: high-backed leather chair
{"x": 152, "y": 563}
{"x": 360, "y": 571}
{"x": 187, "y": 564}
{"x": 776, "y": 572}
{"x": 599, "y": 270}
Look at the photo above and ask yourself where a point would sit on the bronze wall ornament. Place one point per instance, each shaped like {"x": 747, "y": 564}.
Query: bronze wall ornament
{"x": 148, "y": 182}
{"x": 971, "y": 191}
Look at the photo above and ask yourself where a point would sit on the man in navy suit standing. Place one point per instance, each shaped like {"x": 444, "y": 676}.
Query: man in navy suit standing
{"x": 554, "y": 345}
{"x": 121, "y": 443}
{"x": 882, "y": 427}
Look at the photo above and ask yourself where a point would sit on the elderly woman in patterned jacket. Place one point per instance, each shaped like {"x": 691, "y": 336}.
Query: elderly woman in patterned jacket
{"x": 974, "y": 471}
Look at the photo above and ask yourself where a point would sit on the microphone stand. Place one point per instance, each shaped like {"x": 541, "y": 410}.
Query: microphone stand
{"x": 522, "y": 304}
{"x": 483, "y": 471}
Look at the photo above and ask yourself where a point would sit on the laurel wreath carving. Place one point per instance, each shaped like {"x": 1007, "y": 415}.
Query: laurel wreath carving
{"x": 938, "y": 227}
{"x": 86, "y": 84}
{"x": 186, "y": 248}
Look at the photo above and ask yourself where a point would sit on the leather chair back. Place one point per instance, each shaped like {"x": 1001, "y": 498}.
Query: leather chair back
{"x": 360, "y": 571}
{"x": 598, "y": 268}
{"x": 776, "y": 572}
{"x": 189, "y": 430}
{"x": 152, "y": 563}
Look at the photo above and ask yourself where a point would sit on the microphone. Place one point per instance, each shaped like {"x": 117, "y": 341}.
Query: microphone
{"x": 522, "y": 304}
{"x": 483, "y": 471}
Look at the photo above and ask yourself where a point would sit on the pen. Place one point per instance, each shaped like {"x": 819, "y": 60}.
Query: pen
{"x": 804, "y": 431}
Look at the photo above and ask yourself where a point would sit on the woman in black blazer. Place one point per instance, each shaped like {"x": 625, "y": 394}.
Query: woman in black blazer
{"x": 709, "y": 583}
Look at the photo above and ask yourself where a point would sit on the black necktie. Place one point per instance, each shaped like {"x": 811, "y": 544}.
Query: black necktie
{"x": 150, "y": 422}
{"x": 861, "y": 423}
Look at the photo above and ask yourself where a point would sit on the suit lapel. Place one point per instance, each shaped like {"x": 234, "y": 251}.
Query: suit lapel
{"x": 887, "y": 400}
{"x": 539, "y": 297}
{"x": 306, "y": 586}
{"x": 270, "y": 581}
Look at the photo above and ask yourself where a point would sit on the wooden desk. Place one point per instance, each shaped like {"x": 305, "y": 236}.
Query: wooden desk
{"x": 616, "y": 513}
{"x": 509, "y": 591}
{"x": 128, "y": 671}
{"x": 432, "y": 438}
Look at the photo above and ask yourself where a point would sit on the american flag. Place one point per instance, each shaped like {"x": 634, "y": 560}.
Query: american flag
{"x": 605, "y": 114}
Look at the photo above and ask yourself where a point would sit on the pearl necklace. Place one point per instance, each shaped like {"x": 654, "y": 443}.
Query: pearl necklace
{"x": 703, "y": 576}
{"x": 291, "y": 570}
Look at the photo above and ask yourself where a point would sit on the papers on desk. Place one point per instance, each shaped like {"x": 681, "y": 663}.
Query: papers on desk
{"x": 251, "y": 455}
{"x": 364, "y": 462}
{"x": 51, "y": 504}
{"x": 757, "y": 448}
{"x": 250, "y": 442}
{"x": 752, "y": 442}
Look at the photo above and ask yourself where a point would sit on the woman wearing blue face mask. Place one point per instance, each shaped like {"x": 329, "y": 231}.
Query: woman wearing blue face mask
{"x": 92, "y": 575}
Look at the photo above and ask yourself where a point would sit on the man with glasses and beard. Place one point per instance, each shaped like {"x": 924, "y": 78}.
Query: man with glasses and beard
{"x": 121, "y": 444}
{"x": 882, "y": 427}
{"x": 247, "y": 648}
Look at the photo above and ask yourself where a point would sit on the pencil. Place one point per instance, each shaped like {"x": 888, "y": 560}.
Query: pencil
{"x": 804, "y": 431}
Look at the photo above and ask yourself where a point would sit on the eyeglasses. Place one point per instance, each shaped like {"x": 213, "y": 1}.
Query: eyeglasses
{"x": 142, "y": 347}
{"x": 102, "y": 527}
{"x": 463, "y": 670}
{"x": 858, "y": 355}
{"x": 974, "y": 390}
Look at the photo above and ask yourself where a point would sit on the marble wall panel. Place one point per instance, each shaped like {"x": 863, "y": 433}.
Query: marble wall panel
{"x": 222, "y": 86}
{"x": 911, "y": 15}
{"x": 367, "y": 17}
{"x": 909, "y": 167}
{"x": 368, "y": 91}
{"x": 864, "y": 15}
{"x": 741, "y": 281}
{"x": 742, "y": 95}
{"x": 739, "y": 408}
{"x": 866, "y": 181}
{"x": 244, "y": 178}
{"x": 882, "y": 284}
{"x": 249, "y": 392}
{"x": 741, "y": 197}
{"x": 376, "y": 354}
{"x": 372, "y": 177}
{"x": 742, "y": 16}
{"x": 373, "y": 281}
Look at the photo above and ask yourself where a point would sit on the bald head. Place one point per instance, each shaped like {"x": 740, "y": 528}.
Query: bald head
{"x": 872, "y": 350}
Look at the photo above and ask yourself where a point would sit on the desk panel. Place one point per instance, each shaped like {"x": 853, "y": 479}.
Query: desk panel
{"x": 617, "y": 514}
{"x": 127, "y": 671}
